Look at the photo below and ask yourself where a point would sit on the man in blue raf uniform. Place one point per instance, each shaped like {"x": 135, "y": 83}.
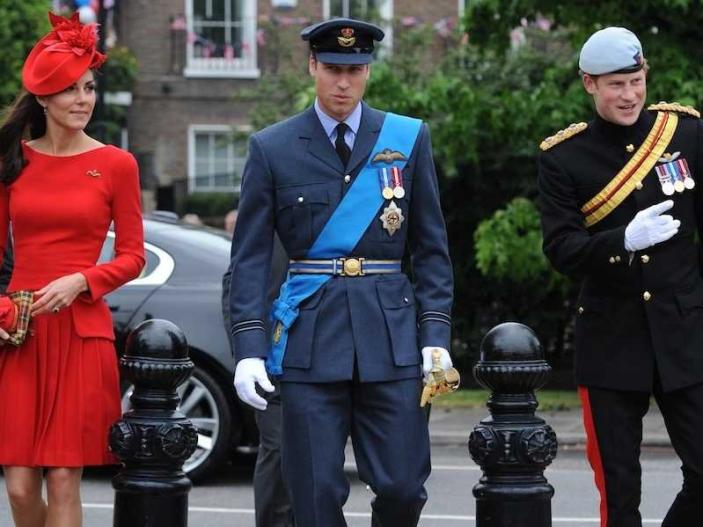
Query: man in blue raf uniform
{"x": 349, "y": 189}
{"x": 621, "y": 208}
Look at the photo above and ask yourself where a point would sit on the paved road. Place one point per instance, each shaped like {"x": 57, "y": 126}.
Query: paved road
{"x": 227, "y": 501}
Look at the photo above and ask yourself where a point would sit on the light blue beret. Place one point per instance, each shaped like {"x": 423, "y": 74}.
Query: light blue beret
{"x": 611, "y": 50}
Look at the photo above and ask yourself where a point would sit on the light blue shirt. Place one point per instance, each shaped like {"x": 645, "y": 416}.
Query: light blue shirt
{"x": 330, "y": 124}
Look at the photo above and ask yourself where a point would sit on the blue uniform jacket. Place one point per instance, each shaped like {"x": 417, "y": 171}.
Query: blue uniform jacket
{"x": 292, "y": 182}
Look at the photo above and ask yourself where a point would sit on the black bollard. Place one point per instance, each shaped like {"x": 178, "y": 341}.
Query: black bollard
{"x": 513, "y": 446}
{"x": 153, "y": 439}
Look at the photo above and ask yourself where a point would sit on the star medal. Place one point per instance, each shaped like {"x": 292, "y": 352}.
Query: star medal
{"x": 392, "y": 218}
{"x": 398, "y": 190}
{"x": 385, "y": 181}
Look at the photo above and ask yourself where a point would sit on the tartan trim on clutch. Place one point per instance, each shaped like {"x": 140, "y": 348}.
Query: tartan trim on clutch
{"x": 24, "y": 300}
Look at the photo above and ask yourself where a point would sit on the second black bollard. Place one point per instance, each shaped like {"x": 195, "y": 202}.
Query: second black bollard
{"x": 513, "y": 446}
{"x": 153, "y": 439}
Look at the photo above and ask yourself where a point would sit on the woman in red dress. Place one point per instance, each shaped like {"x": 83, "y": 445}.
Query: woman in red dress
{"x": 59, "y": 192}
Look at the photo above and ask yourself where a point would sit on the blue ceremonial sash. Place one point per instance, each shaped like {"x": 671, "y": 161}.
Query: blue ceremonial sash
{"x": 341, "y": 233}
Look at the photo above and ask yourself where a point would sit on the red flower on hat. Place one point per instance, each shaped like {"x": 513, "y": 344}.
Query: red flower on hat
{"x": 69, "y": 35}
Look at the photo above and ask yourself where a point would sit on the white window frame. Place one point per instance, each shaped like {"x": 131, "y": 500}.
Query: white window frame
{"x": 385, "y": 9}
{"x": 219, "y": 67}
{"x": 193, "y": 130}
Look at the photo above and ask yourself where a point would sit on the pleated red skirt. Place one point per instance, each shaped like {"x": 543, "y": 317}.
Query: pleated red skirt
{"x": 59, "y": 395}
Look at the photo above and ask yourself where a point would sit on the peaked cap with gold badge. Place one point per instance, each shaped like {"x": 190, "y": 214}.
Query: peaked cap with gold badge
{"x": 343, "y": 40}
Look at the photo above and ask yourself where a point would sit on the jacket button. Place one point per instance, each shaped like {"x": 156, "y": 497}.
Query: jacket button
{"x": 347, "y": 178}
{"x": 611, "y": 259}
{"x": 644, "y": 258}
{"x": 646, "y": 295}
{"x": 580, "y": 310}
{"x": 301, "y": 199}
{"x": 630, "y": 148}
{"x": 639, "y": 185}
{"x": 617, "y": 258}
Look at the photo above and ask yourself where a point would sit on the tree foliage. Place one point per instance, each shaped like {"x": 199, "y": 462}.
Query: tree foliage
{"x": 22, "y": 23}
{"x": 668, "y": 29}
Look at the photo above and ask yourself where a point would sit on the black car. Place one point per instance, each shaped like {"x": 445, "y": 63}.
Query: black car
{"x": 182, "y": 282}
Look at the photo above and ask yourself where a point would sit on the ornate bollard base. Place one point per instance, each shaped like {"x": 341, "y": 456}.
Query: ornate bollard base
{"x": 514, "y": 514}
{"x": 513, "y": 505}
{"x": 150, "y": 503}
{"x": 154, "y": 438}
{"x": 513, "y": 446}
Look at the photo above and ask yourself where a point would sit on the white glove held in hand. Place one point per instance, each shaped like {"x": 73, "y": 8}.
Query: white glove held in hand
{"x": 249, "y": 372}
{"x": 445, "y": 360}
{"x": 650, "y": 227}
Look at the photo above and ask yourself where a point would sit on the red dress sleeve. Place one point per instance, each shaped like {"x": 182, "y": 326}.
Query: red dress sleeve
{"x": 129, "y": 235}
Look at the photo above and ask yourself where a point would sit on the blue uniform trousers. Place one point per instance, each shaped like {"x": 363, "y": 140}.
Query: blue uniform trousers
{"x": 391, "y": 445}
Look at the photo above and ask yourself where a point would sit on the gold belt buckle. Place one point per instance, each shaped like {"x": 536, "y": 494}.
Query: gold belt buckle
{"x": 352, "y": 266}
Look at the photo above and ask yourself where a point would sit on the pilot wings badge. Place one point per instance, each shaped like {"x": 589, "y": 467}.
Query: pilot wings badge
{"x": 388, "y": 156}
{"x": 392, "y": 218}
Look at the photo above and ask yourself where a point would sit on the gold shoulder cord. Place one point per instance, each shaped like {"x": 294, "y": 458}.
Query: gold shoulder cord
{"x": 563, "y": 135}
{"x": 675, "y": 107}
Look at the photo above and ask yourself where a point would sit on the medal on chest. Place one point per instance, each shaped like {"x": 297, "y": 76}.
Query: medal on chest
{"x": 392, "y": 218}
{"x": 391, "y": 182}
{"x": 674, "y": 174}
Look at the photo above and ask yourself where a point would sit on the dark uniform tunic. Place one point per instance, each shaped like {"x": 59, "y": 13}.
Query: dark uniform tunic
{"x": 635, "y": 314}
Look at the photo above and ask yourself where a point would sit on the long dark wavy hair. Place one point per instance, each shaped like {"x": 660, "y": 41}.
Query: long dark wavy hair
{"x": 25, "y": 116}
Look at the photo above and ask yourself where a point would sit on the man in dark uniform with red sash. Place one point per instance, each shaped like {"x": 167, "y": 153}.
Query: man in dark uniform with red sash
{"x": 621, "y": 211}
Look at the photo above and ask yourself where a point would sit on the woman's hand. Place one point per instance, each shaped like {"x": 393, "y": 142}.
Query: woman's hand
{"x": 58, "y": 294}
{"x": 4, "y": 335}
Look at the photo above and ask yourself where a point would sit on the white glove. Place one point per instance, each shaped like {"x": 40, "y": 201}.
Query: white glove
{"x": 249, "y": 372}
{"x": 649, "y": 227}
{"x": 445, "y": 360}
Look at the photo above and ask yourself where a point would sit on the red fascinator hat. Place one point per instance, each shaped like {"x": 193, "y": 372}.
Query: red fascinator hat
{"x": 61, "y": 56}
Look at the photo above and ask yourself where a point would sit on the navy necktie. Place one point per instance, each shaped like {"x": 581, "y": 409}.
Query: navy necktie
{"x": 340, "y": 144}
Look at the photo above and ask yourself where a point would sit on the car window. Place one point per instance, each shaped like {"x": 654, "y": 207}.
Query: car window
{"x": 156, "y": 259}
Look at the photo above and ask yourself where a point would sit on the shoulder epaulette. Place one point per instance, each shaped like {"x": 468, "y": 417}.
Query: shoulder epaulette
{"x": 675, "y": 107}
{"x": 563, "y": 135}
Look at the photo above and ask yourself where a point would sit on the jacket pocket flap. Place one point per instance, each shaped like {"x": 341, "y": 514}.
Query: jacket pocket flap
{"x": 594, "y": 305}
{"x": 313, "y": 301}
{"x": 690, "y": 299}
{"x": 395, "y": 294}
{"x": 92, "y": 319}
{"x": 301, "y": 195}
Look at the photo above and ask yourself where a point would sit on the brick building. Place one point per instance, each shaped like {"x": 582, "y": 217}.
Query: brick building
{"x": 194, "y": 55}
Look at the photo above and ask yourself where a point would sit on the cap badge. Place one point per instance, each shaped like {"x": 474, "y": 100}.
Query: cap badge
{"x": 392, "y": 218}
{"x": 346, "y": 38}
{"x": 388, "y": 156}
{"x": 93, "y": 173}
{"x": 638, "y": 58}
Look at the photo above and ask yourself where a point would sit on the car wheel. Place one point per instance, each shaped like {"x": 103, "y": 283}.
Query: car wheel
{"x": 205, "y": 404}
